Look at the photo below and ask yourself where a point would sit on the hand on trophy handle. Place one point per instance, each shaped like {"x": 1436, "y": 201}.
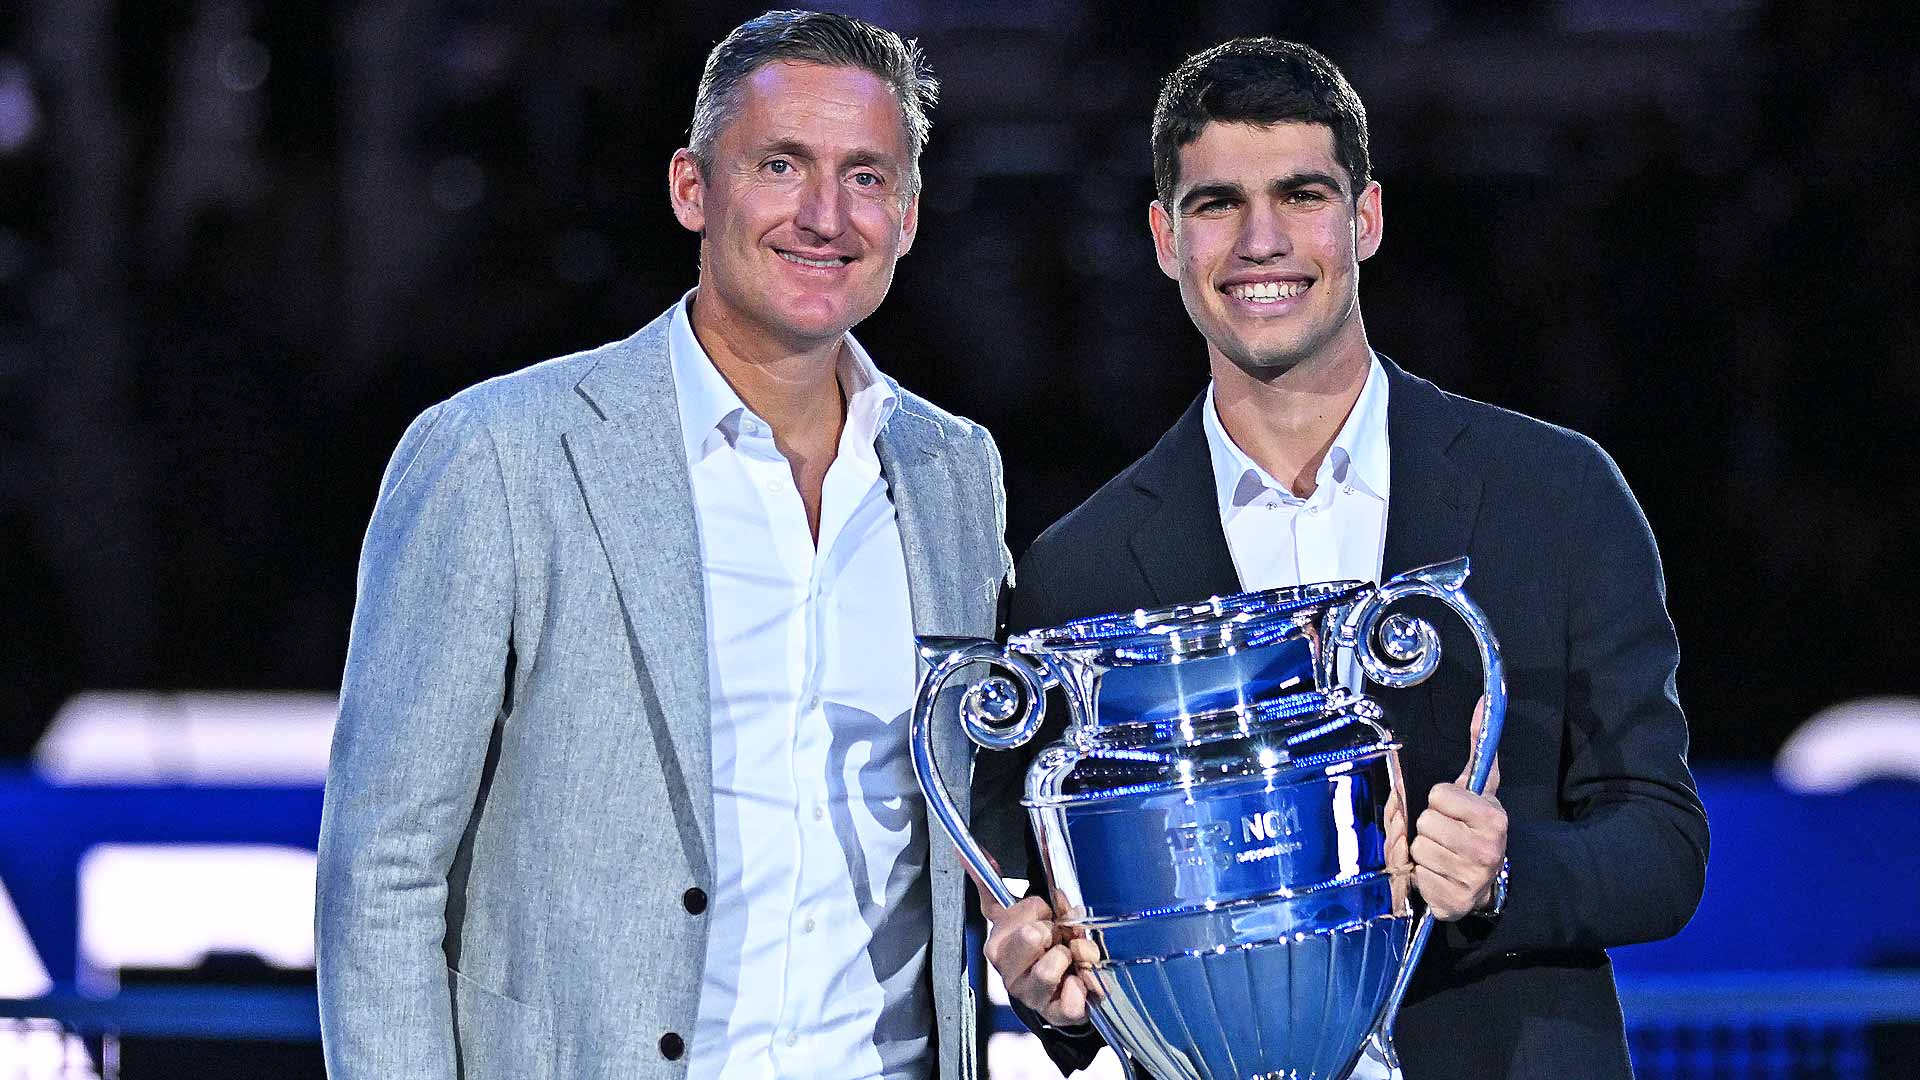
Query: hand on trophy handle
{"x": 1460, "y": 842}
{"x": 1038, "y": 960}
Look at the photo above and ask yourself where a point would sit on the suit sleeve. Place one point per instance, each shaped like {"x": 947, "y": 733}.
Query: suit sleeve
{"x": 423, "y": 686}
{"x": 1625, "y": 862}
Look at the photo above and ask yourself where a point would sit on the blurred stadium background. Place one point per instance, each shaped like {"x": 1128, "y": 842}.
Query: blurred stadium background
{"x": 242, "y": 242}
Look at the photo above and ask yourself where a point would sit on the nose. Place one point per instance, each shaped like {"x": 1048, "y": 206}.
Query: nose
{"x": 1263, "y": 235}
{"x": 823, "y": 207}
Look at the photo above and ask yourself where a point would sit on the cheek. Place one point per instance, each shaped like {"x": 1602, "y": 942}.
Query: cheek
{"x": 1334, "y": 241}
{"x": 1193, "y": 270}
{"x": 877, "y": 222}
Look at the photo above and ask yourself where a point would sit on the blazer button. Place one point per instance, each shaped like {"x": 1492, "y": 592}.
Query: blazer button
{"x": 695, "y": 900}
{"x": 672, "y": 1046}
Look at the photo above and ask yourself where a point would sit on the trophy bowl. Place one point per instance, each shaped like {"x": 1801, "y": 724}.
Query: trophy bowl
{"x": 1223, "y": 820}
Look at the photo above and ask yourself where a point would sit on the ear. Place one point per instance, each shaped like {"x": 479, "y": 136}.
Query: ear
{"x": 909, "y": 225}
{"x": 1160, "y": 223}
{"x": 687, "y": 190}
{"x": 1368, "y": 223}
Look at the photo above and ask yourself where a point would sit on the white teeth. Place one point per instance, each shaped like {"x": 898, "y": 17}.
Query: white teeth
{"x": 1268, "y": 292}
{"x": 824, "y": 264}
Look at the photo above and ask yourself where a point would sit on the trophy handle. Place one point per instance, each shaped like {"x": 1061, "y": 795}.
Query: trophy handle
{"x": 1412, "y": 652}
{"x": 997, "y": 713}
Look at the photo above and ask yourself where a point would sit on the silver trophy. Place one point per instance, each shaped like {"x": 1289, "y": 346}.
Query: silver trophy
{"x": 1223, "y": 822}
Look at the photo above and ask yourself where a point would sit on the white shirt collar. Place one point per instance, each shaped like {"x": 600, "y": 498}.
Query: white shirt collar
{"x": 1359, "y": 457}
{"x": 708, "y": 402}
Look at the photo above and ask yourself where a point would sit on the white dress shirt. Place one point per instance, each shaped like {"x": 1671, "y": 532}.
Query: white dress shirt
{"x": 821, "y": 921}
{"x": 1338, "y": 532}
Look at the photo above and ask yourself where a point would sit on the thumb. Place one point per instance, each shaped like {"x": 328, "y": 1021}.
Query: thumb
{"x": 990, "y": 905}
{"x": 1473, "y": 739}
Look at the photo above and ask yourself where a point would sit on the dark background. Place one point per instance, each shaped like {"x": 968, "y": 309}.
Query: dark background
{"x": 243, "y": 242}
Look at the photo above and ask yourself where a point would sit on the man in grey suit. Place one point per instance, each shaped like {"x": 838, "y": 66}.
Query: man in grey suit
{"x": 620, "y": 786}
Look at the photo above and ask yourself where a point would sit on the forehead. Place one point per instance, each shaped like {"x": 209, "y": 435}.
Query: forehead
{"x": 1251, "y": 154}
{"x": 828, "y": 107}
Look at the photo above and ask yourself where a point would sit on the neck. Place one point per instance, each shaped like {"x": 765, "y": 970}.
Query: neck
{"x": 1287, "y": 421}
{"x": 795, "y": 389}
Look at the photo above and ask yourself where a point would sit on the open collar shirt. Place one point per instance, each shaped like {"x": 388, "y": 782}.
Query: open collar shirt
{"x": 1338, "y": 532}
{"x": 818, "y": 948}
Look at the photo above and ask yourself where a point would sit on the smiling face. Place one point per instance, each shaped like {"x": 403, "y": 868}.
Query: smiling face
{"x": 1265, "y": 239}
{"x": 804, "y": 207}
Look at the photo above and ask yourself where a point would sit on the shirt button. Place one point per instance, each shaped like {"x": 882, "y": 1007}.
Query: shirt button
{"x": 809, "y": 926}
{"x": 695, "y": 900}
{"x": 773, "y": 485}
{"x": 793, "y": 1037}
{"x": 819, "y": 812}
{"x": 813, "y": 703}
{"x": 672, "y": 1046}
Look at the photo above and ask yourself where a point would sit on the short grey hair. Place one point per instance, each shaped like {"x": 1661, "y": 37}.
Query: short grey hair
{"x": 813, "y": 37}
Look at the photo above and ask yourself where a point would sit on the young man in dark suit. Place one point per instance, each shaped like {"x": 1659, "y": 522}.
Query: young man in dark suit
{"x": 1311, "y": 457}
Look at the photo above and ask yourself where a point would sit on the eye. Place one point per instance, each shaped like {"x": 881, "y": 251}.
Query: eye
{"x": 1218, "y": 205}
{"x": 868, "y": 180}
{"x": 779, "y": 166}
{"x": 1304, "y": 197}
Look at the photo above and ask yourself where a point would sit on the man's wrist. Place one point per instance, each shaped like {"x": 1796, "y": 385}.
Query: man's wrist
{"x": 1497, "y": 895}
{"x": 1036, "y": 1020}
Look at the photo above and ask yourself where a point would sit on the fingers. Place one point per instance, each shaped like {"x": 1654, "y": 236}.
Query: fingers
{"x": 1038, "y": 962}
{"x": 1449, "y": 900}
{"x": 1020, "y": 938}
{"x": 1439, "y": 859}
{"x": 1481, "y": 813}
{"x": 1051, "y": 986}
{"x": 1070, "y": 1004}
{"x": 1044, "y": 987}
{"x": 1460, "y": 840}
{"x": 1471, "y": 826}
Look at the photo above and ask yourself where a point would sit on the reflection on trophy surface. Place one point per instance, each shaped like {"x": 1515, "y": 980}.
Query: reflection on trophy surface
{"x": 1223, "y": 824}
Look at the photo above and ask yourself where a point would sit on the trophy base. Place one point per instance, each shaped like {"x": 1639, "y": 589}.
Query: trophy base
{"x": 1302, "y": 1008}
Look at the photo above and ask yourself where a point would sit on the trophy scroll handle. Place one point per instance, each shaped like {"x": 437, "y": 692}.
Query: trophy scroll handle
{"x": 997, "y": 712}
{"x": 1411, "y": 651}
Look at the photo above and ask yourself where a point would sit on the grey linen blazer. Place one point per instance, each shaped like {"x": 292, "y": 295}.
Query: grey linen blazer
{"x": 520, "y": 795}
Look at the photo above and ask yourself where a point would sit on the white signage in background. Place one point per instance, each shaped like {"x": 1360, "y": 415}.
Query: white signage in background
{"x": 40, "y": 1050}
{"x": 170, "y": 906}
{"x": 1850, "y": 743}
{"x": 209, "y": 738}
{"x": 22, "y": 973}
{"x": 32, "y": 1049}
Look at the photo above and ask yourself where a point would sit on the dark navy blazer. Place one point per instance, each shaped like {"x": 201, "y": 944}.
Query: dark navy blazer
{"x": 1607, "y": 837}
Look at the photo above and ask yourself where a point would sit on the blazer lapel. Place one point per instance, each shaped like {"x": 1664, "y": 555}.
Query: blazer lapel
{"x": 1431, "y": 509}
{"x": 1179, "y": 543}
{"x": 1432, "y": 504}
{"x": 924, "y": 501}
{"x": 631, "y": 466}
{"x": 923, "y": 506}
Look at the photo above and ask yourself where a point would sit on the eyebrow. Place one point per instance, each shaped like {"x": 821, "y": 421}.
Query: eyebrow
{"x": 796, "y": 149}
{"x": 1278, "y": 186}
{"x": 1200, "y": 193}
